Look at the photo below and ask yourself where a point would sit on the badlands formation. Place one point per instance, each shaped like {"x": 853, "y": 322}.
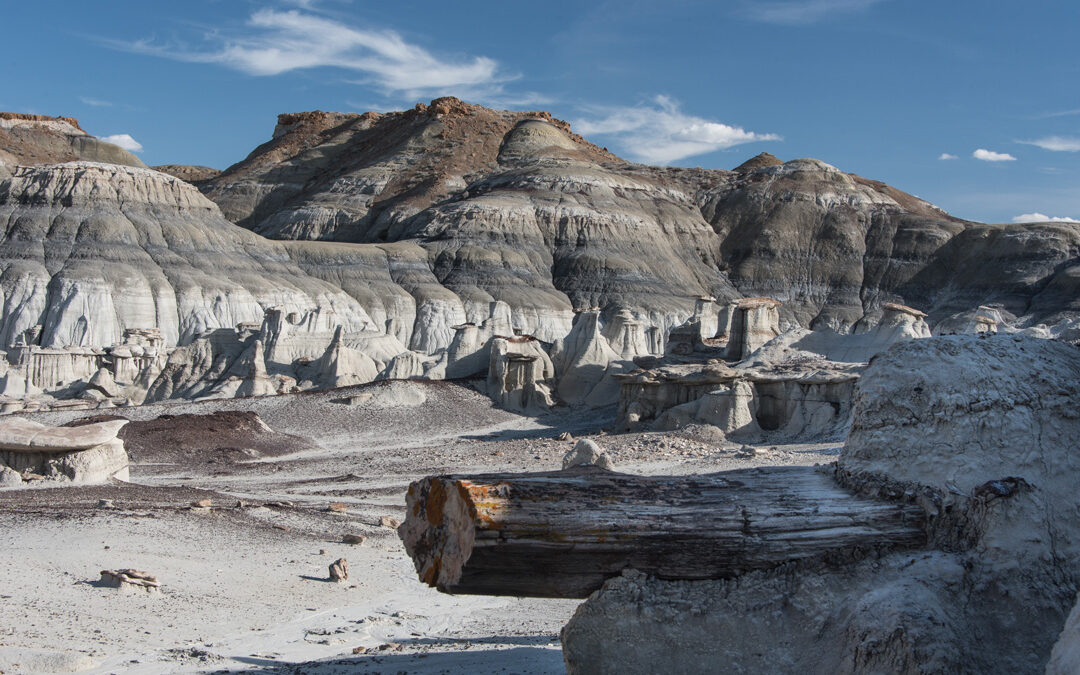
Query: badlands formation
{"x": 458, "y": 296}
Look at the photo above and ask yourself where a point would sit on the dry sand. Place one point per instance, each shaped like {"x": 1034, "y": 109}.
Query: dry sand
{"x": 244, "y": 582}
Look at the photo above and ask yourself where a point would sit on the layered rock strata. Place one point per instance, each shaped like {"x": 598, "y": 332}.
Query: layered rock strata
{"x": 40, "y": 139}
{"x": 446, "y": 226}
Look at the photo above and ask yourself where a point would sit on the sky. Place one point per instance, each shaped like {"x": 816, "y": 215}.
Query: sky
{"x": 971, "y": 105}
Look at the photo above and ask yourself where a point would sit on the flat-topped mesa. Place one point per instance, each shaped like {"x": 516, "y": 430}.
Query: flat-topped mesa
{"x": 29, "y": 117}
{"x": 754, "y": 322}
{"x": 190, "y": 173}
{"x": 41, "y": 139}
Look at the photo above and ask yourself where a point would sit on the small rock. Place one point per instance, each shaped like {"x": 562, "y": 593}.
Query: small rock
{"x": 105, "y": 504}
{"x": 131, "y": 580}
{"x": 322, "y": 551}
{"x": 566, "y": 436}
{"x": 241, "y": 504}
{"x": 746, "y": 452}
{"x": 390, "y": 646}
{"x": 389, "y": 521}
{"x": 587, "y": 453}
{"x": 337, "y": 507}
{"x": 202, "y": 504}
{"x": 339, "y": 570}
{"x": 354, "y": 539}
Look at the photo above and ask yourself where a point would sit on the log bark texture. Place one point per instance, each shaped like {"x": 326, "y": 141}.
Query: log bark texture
{"x": 561, "y": 534}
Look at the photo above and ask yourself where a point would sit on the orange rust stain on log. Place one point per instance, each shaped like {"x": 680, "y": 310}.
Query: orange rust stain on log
{"x": 483, "y": 501}
{"x": 435, "y": 502}
{"x": 431, "y": 574}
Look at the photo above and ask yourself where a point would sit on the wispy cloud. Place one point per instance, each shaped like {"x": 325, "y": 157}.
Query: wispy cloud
{"x": 1058, "y": 113}
{"x": 1056, "y": 143}
{"x": 1042, "y": 218}
{"x": 991, "y": 156}
{"x": 125, "y": 141}
{"x": 661, "y": 133}
{"x": 96, "y": 102}
{"x": 946, "y": 156}
{"x": 282, "y": 41}
{"x": 795, "y": 12}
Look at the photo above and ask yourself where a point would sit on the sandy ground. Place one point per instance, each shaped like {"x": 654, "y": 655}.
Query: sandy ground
{"x": 244, "y": 581}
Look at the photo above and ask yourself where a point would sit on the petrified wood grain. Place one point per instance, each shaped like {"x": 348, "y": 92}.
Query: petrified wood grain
{"x": 561, "y": 534}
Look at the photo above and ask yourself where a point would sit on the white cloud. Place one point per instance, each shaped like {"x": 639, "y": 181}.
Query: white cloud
{"x": 793, "y": 12}
{"x": 1042, "y": 218}
{"x": 125, "y": 141}
{"x": 96, "y": 102}
{"x": 1056, "y": 143}
{"x": 280, "y": 42}
{"x": 661, "y": 133}
{"x": 946, "y": 155}
{"x": 991, "y": 156}
{"x": 1059, "y": 113}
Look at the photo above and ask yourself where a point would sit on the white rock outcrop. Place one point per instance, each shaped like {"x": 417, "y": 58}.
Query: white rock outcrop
{"x": 981, "y": 433}
{"x": 90, "y": 453}
{"x": 520, "y": 375}
{"x": 754, "y": 322}
{"x": 958, "y": 413}
{"x": 585, "y": 364}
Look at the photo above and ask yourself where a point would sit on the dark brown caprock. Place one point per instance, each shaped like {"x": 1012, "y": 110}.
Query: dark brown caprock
{"x": 561, "y": 534}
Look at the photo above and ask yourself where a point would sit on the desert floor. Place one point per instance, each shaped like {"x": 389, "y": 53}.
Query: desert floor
{"x": 244, "y": 581}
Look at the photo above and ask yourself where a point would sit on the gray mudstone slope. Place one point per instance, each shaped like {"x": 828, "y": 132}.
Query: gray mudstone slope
{"x": 89, "y": 250}
{"x": 514, "y": 206}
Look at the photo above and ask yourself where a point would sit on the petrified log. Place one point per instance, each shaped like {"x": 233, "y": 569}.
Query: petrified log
{"x": 561, "y": 534}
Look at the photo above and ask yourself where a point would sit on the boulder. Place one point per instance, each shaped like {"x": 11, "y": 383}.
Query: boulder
{"x": 23, "y": 435}
{"x": 587, "y": 453}
{"x": 85, "y": 454}
{"x": 339, "y": 570}
{"x": 10, "y": 477}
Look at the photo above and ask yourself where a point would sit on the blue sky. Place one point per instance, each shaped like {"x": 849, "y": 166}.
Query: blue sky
{"x": 974, "y": 106}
